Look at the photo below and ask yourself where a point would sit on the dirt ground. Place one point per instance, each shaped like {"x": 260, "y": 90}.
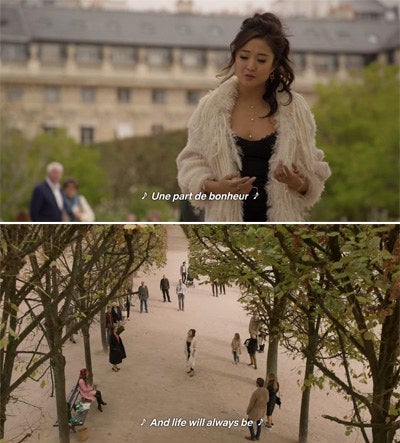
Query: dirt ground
{"x": 153, "y": 384}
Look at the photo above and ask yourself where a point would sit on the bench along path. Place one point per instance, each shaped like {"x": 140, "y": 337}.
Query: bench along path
{"x": 77, "y": 410}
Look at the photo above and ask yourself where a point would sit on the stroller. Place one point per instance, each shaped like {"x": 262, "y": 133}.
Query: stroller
{"x": 189, "y": 280}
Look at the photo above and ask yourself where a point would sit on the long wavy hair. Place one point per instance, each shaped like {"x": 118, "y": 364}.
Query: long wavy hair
{"x": 269, "y": 28}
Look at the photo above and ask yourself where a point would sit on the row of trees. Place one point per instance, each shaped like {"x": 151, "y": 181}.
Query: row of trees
{"x": 55, "y": 280}
{"x": 327, "y": 293}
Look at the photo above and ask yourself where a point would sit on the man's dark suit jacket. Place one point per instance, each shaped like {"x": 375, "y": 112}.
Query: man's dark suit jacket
{"x": 44, "y": 206}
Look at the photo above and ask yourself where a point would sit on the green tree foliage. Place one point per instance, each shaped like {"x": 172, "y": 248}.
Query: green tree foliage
{"x": 342, "y": 287}
{"x": 137, "y": 165}
{"x": 358, "y": 128}
{"x": 23, "y": 165}
{"x": 148, "y": 161}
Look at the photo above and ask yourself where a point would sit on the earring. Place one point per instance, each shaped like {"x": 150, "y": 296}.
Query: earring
{"x": 272, "y": 76}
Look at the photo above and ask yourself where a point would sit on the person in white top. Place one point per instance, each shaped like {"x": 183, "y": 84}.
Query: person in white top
{"x": 181, "y": 291}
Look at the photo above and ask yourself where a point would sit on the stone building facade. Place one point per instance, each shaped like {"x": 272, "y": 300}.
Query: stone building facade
{"x": 113, "y": 74}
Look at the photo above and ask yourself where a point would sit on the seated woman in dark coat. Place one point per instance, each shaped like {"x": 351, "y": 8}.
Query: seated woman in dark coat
{"x": 117, "y": 350}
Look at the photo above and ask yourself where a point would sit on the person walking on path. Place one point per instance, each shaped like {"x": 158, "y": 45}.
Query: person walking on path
{"x": 128, "y": 306}
{"x": 214, "y": 286}
{"x": 108, "y": 323}
{"x": 143, "y": 292}
{"x": 183, "y": 271}
{"x": 273, "y": 388}
{"x": 181, "y": 291}
{"x": 88, "y": 392}
{"x": 254, "y": 325}
{"x": 164, "y": 286}
{"x": 255, "y": 409}
{"x": 117, "y": 350}
{"x": 236, "y": 348}
{"x": 252, "y": 345}
{"x": 47, "y": 199}
{"x": 191, "y": 351}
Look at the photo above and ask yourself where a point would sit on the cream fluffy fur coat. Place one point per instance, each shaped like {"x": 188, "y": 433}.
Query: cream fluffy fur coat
{"x": 211, "y": 153}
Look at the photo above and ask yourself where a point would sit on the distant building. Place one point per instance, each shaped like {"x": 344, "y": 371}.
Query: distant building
{"x": 105, "y": 74}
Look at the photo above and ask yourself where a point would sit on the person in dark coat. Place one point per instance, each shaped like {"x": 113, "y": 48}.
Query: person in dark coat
{"x": 47, "y": 200}
{"x": 116, "y": 313}
{"x": 128, "y": 306}
{"x": 215, "y": 286}
{"x": 252, "y": 345}
{"x": 273, "y": 387}
{"x": 164, "y": 286}
{"x": 143, "y": 292}
{"x": 108, "y": 323}
{"x": 117, "y": 350}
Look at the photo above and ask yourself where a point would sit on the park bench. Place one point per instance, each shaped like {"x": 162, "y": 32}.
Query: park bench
{"x": 79, "y": 416}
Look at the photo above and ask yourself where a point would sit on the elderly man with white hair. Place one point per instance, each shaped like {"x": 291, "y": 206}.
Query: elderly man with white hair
{"x": 47, "y": 200}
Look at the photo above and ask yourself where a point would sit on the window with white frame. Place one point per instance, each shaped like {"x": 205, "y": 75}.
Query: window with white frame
{"x": 88, "y": 94}
{"x": 52, "y": 52}
{"x": 192, "y": 97}
{"x": 159, "y": 57}
{"x": 88, "y": 54}
{"x": 87, "y": 135}
{"x": 13, "y": 51}
{"x": 123, "y": 95}
{"x": 193, "y": 58}
{"x": 325, "y": 62}
{"x": 123, "y": 55}
{"x": 51, "y": 94}
{"x": 354, "y": 61}
{"x": 14, "y": 93}
{"x": 159, "y": 96}
{"x": 124, "y": 130}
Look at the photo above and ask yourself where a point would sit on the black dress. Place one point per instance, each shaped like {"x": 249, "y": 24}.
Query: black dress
{"x": 117, "y": 350}
{"x": 255, "y": 163}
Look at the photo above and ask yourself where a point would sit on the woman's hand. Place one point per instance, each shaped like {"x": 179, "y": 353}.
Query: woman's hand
{"x": 291, "y": 177}
{"x": 232, "y": 183}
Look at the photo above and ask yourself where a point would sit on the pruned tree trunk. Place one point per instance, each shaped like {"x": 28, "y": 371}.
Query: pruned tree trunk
{"x": 306, "y": 395}
{"x": 313, "y": 329}
{"x": 272, "y": 355}
{"x": 88, "y": 354}
{"x": 58, "y": 364}
{"x": 103, "y": 330}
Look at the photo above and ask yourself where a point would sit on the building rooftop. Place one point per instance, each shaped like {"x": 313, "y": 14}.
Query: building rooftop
{"x": 151, "y": 29}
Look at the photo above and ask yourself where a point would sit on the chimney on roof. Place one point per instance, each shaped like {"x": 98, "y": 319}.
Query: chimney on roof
{"x": 184, "y": 6}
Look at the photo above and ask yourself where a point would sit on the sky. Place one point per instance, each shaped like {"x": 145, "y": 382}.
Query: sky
{"x": 210, "y": 6}
{"x": 202, "y": 6}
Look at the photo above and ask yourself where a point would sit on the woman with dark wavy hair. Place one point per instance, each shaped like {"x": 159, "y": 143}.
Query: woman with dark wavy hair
{"x": 251, "y": 145}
